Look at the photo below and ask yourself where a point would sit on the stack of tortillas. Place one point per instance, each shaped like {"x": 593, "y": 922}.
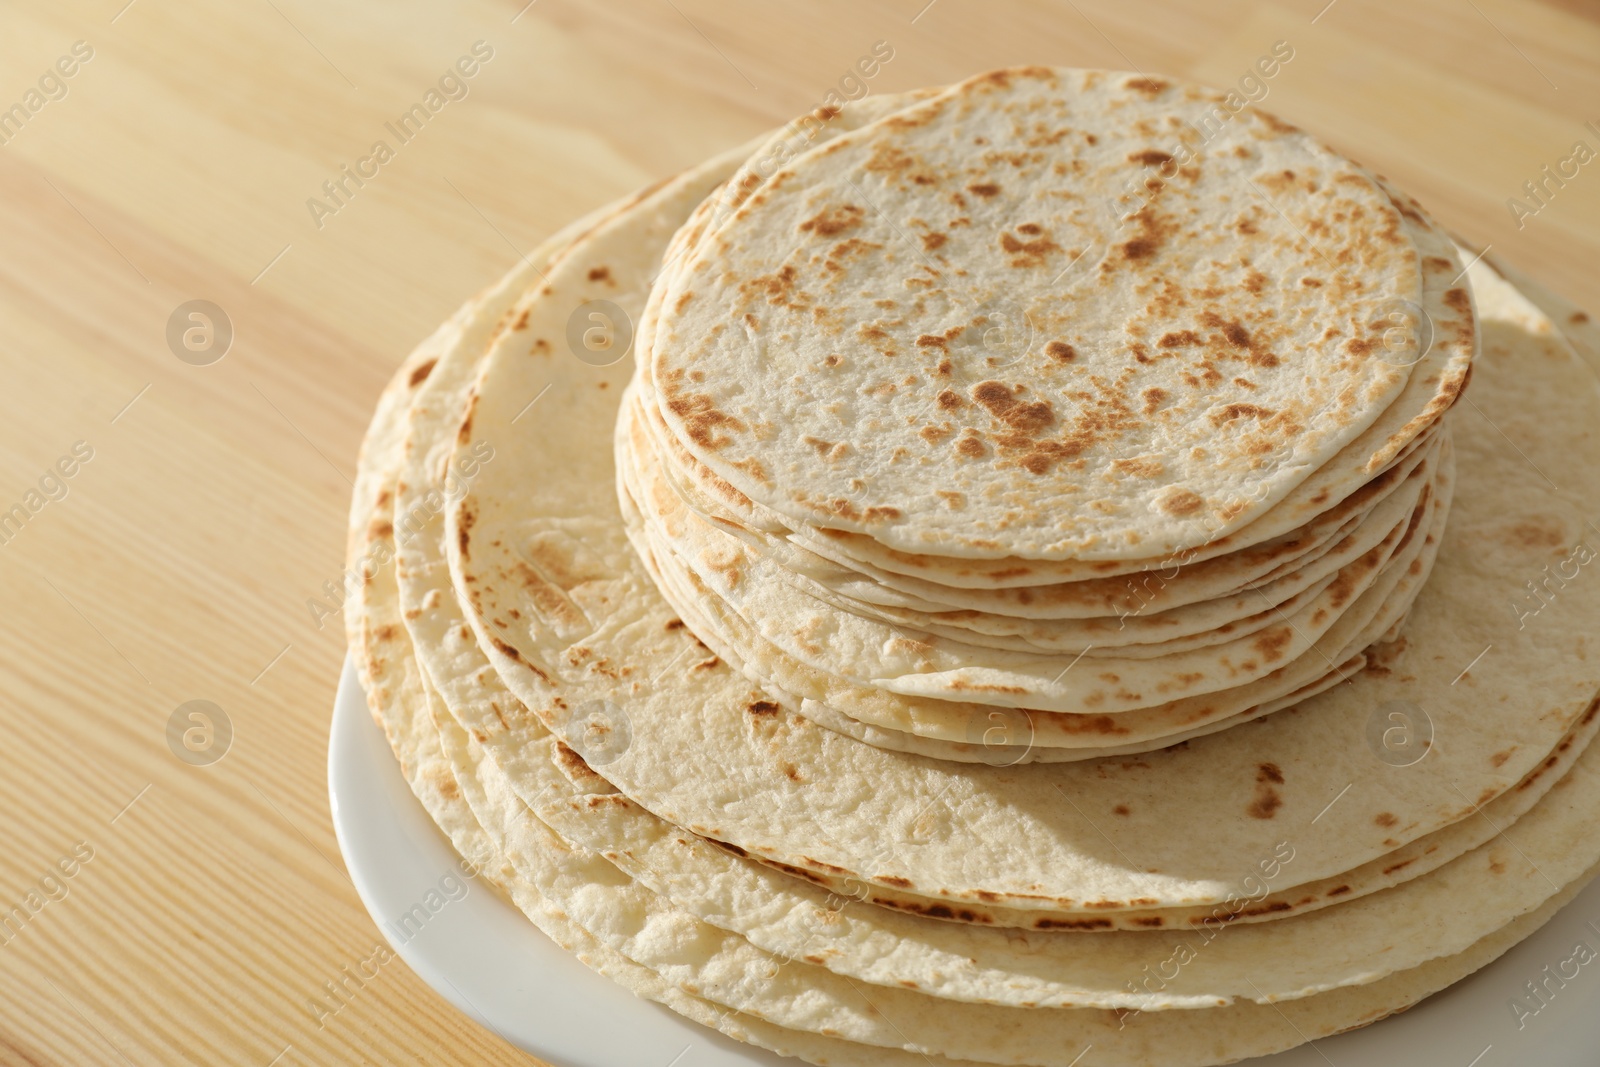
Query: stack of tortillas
{"x": 1031, "y": 596}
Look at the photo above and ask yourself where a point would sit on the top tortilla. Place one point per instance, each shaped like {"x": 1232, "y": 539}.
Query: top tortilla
{"x": 822, "y": 350}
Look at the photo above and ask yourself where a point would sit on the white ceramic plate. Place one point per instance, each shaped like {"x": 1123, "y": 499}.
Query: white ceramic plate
{"x": 487, "y": 959}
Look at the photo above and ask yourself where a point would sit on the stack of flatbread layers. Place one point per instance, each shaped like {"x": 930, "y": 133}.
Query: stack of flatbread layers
{"x": 755, "y": 687}
{"x": 1209, "y": 495}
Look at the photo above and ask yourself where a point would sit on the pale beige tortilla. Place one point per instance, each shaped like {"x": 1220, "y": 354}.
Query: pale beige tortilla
{"x": 964, "y": 731}
{"x": 577, "y": 885}
{"x": 1028, "y": 589}
{"x": 1133, "y": 628}
{"x": 886, "y": 661}
{"x": 590, "y": 628}
{"x": 441, "y": 773}
{"x": 1149, "y": 592}
{"x": 570, "y": 882}
{"x": 793, "y": 913}
{"x": 785, "y": 313}
{"x": 388, "y": 626}
{"x": 628, "y": 919}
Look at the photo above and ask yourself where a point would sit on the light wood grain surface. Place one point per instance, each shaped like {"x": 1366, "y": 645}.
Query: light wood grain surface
{"x": 178, "y": 564}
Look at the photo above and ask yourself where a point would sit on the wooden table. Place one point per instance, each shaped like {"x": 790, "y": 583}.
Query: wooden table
{"x": 176, "y": 563}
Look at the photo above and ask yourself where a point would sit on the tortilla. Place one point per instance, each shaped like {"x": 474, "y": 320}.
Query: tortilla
{"x": 805, "y": 687}
{"x": 687, "y": 820}
{"x": 441, "y": 775}
{"x": 778, "y": 341}
{"x": 867, "y": 654}
{"x": 1132, "y": 620}
{"x": 550, "y": 879}
{"x": 573, "y": 624}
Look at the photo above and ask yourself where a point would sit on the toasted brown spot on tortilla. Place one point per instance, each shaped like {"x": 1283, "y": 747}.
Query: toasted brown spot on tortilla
{"x": 834, "y": 221}
{"x": 1072, "y": 924}
{"x": 702, "y": 419}
{"x": 464, "y": 520}
{"x": 1181, "y": 502}
{"x": 1267, "y": 799}
{"x": 1241, "y": 411}
{"x": 1000, "y": 402}
{"x": 464, "y": 433}
{"x": 1028, "y": 253}
{"x": 1267, "y": 909}
{"x": 422, "y": 371}
{"x": 1139, "y": 468}
{"x": 1532, "y": 533}
{"x": 1139, "y": 248}
{"x": 1146, "y": 85}
{"x": 506, "y": 650}
{"x": 1271, "y": 643}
